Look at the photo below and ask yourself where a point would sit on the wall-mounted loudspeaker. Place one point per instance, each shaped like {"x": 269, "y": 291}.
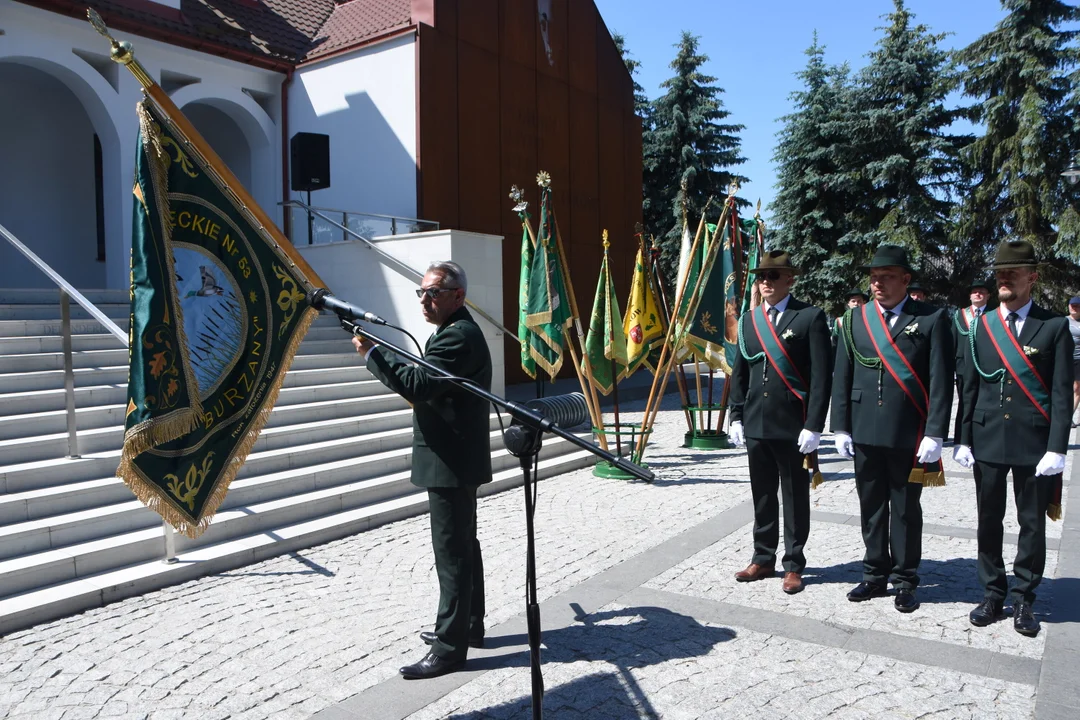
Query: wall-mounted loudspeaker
{"x": 310, "y": 161}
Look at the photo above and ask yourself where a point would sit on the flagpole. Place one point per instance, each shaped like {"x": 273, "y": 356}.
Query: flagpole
{"x": 743, "y": 278}
{"x": 591, "y": 400}
{"x": 652, "y": 408}
{"x": 656, "y": 278}
{"x": 614, "y": 365}
{"x": 122, "y": 53}
{"x": 662, "y": 368}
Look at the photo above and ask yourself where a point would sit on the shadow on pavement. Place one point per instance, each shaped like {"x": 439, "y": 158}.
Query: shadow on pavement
{"x": 626, "y": 638}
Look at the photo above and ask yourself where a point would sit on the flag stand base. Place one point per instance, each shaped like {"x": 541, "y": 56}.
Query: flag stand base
{"x": 704, "y": 438}
{"x": 627, "y": 434}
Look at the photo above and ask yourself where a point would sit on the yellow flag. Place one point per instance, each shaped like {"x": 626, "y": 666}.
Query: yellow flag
{"x": 644, "y": 326}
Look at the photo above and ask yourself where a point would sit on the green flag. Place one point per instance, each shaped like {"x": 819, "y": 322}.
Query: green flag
{"x": 528, "y": 364}
{"x": 750, "y": 230}
{"x": 217, "y": 313}
{"x": 605, "y": 341}
{"x": 548, "y": 308}
{"x": 712, "y": 336}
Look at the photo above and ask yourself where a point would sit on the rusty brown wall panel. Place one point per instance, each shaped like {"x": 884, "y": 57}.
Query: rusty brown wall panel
{"x": 438, "y": 131}
{"x": 610, "y": 70}
{"x": 559, "y": 64}
{"x": 583, "y": 234}
{"x": 613, "y": 212}
{"x": 478, "y": 132}
{"x": 517, "y": 129}
{"x": 446, "y": 17}
{"x": 581, "y": 31}
{"x": 478, "y": 23}
{"x": 518, "y": 34}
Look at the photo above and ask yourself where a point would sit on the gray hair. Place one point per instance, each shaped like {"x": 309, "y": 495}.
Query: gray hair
{"x": 453, "y": 274}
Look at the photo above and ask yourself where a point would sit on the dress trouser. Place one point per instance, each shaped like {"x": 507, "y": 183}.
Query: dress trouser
{"x": 776, "y": 463}
{"x": 891, "y": 515}
{"x": 1032, "y": 496}
{"x": 460, "y": 568}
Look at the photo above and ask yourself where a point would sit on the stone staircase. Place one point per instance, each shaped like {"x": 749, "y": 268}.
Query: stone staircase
{"x": 332, "y": 461}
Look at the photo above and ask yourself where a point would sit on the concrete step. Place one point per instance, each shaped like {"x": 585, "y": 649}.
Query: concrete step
{"x": 51, "y": 311}
{"x": 47, "y": 296}
{"x": 51, "y": 326}
{"x": 54, "y": 343}
{"x": 80, "y": 583}
{"x": 32, "y": 362}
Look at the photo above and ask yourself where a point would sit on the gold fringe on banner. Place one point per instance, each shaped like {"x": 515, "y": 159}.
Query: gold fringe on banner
{"x": 810, "y": 462}
{"x": 1053, "y": 511}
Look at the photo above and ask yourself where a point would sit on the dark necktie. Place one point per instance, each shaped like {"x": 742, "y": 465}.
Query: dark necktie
{"x": 1013, "y": 317}
{"x": 889, "y": 315}
{"x": 772, "y": 315}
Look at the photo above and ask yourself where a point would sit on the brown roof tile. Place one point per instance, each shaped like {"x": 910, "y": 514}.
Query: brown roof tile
{"x": 270, "y": 32}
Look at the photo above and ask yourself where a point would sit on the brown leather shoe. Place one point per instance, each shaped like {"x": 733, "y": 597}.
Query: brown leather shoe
{"x": 754, "y": 572}
{"x": 792, "y": 583}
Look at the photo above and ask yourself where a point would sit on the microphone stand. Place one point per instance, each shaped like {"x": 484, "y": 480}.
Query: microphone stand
{"x": 523, "y": 439}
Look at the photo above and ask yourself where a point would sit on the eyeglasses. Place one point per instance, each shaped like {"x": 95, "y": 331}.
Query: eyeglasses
{"x": 433, "y": 293}
{"x": 773, "y": 275}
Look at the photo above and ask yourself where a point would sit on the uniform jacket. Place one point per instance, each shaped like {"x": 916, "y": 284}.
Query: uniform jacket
{"x": 760, "y": 400}
{"x": 1000, "y": 424}
{"x": 451, "y": 431}
{"x": 887, "y": 418}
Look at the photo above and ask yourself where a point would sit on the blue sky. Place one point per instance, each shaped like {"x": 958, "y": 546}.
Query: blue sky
{"x": 755, "y": 49}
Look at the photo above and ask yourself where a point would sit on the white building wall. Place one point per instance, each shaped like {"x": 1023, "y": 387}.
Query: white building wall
{"x": 108, "y": 93}
{"x": 366, "y": 103}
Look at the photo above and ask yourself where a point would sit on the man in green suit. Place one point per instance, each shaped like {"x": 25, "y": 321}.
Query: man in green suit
{"x": 451, "y": 457}
{"x": 779, "y": 398}
{"x": 979, "y": 295}
{"x": 892, "y": 394}
{"x": 1017, "y": 407}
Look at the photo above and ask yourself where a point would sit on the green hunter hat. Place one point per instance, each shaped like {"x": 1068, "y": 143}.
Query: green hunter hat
{"x": 1014, "y": 254}
{"x": 890, "y": 256}
{"x": 914, "y": 285}
{"x": 776, "y": 260}
{"x": 855, "y": 292}
{"x": 987, "y": 284}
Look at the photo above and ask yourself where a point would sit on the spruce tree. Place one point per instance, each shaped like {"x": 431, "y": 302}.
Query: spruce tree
{"x": 688, "y": 146}
{"x": 902, "y": 148}
{"x": 1019, "y": 74}
{"x": 816, "y": 193}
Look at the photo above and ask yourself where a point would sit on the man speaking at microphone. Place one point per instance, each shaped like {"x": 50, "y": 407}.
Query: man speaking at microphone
{"x": 779, "y": 397}
{"x": 451, "y": 457}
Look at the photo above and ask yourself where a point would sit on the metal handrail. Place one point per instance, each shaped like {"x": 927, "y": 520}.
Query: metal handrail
{"x": 66, "y": 287}
{"x": 365, "y": 214}
{"x": 402, "y": 267}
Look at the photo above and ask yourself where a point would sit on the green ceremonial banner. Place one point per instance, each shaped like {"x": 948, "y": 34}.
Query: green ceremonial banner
{"x": 547, "y": 312}
{"x": 753, "y": 243}
{"x": 713, "y": 335}
{"x": 528, "y": 364}
{"x": 217, "y": 313}
{"x": 605, "y": 341}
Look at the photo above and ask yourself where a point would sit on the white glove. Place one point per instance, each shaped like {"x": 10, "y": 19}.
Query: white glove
{"x": 808, "y": 441}
{"x": 735, "y": 434}
{"x": 844, "y": 446}
{"x": 929, "y": 450}
{"x": 1051, "y": 464}
{"x": 962, "y": 455}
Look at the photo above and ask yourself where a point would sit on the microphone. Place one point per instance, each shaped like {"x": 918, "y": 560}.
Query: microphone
{"x": 564, "y": 411}
{"x": 322, "y": 299}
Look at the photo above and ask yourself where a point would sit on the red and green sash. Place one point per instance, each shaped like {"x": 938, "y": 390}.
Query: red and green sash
{"x": 1017, "y": 363}
{"x": 778, "y": 355}
{"x": 899, "y": 369}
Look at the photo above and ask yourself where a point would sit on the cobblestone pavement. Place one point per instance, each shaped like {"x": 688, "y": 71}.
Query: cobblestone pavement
{"x": 641, "y": 619}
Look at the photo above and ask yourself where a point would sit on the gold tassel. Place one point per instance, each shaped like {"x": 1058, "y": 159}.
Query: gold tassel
{"x": 817, "y": 480}
{"x": 806, "y": 464}
{"x": 1054, "y": 511}
{"x": 934, "y": 479}
{"x": 916, "y": 475}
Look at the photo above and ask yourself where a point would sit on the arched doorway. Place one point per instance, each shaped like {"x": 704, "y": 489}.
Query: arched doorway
{"x": 52, "y": 183}
{"x": 225, "y": 136}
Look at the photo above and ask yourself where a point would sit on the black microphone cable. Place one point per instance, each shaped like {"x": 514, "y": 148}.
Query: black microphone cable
{"x": 354, "y": 328}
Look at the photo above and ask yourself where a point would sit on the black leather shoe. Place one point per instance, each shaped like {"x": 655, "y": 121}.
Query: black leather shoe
{"x": 989, "y": 611}
{"x": 430, "y": 637}
{"x": 905, "y": 601}
{"x": 1024, "y": 621}
{"x": 865, "y": 591}
{"x": 431, "y": 666}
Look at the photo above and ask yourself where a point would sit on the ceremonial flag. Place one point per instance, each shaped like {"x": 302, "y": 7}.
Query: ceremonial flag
{"x": 605, "y": 341}
{"x": 547, "y": 311}
{"x": 643, "y": 326}
{"x": 752, "y": 234}
{"x": 217, "y": 312}
{"x": 712, "y": 335}
{"x": 528, "y": 364}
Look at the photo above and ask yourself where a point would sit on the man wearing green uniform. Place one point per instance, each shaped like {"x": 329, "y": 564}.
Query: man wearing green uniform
{"x": 892, "y": 393}
{"x": 451, "y": 457}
